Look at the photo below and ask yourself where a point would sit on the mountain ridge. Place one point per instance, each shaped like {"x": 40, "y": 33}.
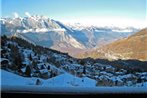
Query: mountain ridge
{"x": 54, "y": 34}
{"x": 132, "y": 47}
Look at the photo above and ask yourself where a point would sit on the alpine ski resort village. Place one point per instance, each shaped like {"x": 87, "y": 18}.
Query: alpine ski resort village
{"x": 48, "y": 50}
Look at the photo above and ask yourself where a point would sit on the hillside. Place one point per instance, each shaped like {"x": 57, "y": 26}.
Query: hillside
{"x": 39, "y": 65}
{"x": 133, "y": 47}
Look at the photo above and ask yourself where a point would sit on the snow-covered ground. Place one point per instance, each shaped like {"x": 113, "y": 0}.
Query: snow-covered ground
{"x": 64, "y": 83}
{"x": 63, "y": 80}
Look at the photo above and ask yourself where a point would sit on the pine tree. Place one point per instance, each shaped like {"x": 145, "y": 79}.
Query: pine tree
{"x": 9, "y": 45}
{"x": 18, "y": 61}
{"x": 28, "y": 71}
{"x": 3, "y": 42}
{"x": 82, "y": 62}
{"x": 30, "y": 57}
{"x": 34, "y": 64}
{"x": 42, "y": 67}
{"x": 4, "y": 37}
{"x": 139, "y": 80}
{"x": 35, "y": 53}
{"x": 104, "y": 68}
{"x": 84, "y": 70}
{"x": 51, "y": 74}
{"x": 16, "y": 57}
{"x": 48, "y": 67}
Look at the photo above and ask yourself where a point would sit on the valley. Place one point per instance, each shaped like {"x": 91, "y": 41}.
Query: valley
{"x": 38, "y": 51}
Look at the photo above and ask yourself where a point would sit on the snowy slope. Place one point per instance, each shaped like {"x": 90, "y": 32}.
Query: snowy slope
{"x": 8, "y": 78}
{"x": 64, "y": 83}
{"x": 63, "y": 80}
{"x": 68, "y": 80}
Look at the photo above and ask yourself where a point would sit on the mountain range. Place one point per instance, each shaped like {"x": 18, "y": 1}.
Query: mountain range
{"x": 71, "y": 38}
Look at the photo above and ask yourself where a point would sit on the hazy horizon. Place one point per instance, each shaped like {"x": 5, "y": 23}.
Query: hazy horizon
{"x": 89, "y": 12}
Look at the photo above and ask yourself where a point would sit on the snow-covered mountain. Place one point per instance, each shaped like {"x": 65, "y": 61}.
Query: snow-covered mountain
{"x": 71, "y": 38}
{"x": 93, "y": 36}
{"x": 40, "y": 30}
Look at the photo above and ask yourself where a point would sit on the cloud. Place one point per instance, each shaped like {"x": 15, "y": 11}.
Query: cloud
{"x": 104, "y": 21}
{"x": 15, "y": 14}
{"x": 27, "y": 14}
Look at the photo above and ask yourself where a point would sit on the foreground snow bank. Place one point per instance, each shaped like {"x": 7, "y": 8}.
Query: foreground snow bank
{"x": 63, "y": 80}
{"x": 68, "y": 80}
{"x": 64, "y": 83}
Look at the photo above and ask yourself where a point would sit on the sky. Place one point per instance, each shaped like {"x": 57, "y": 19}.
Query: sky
{"x": 92, "y": 12}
